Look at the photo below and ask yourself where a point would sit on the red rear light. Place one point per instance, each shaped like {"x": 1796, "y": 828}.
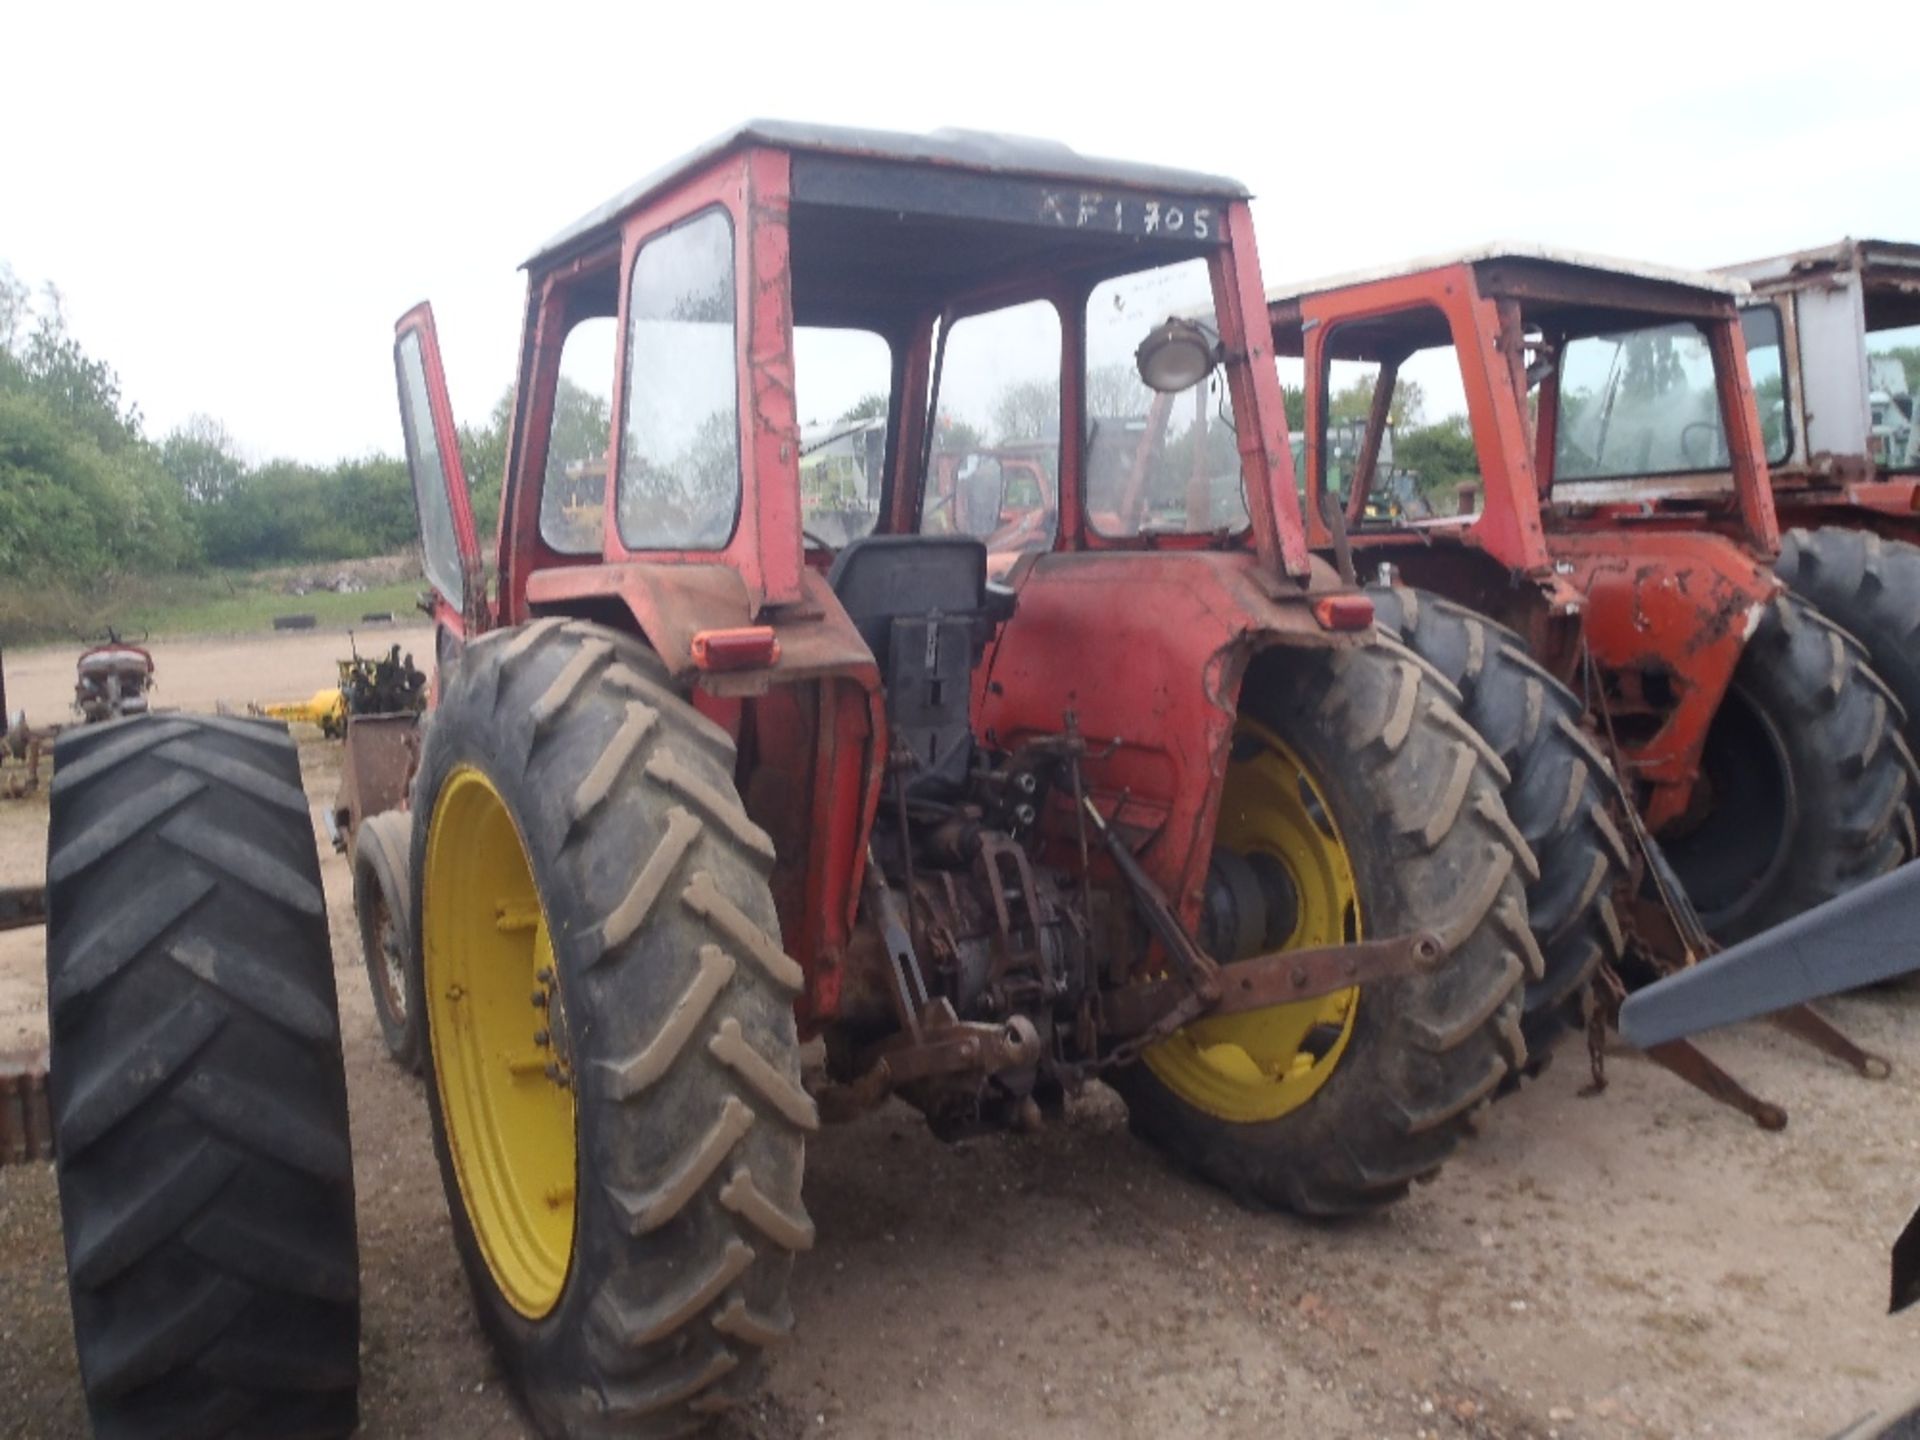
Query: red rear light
{"x": 1343, "y": 612}
{"x": 747, "y": 648}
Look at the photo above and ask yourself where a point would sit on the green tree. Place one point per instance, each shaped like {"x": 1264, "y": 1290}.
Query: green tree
{"x": 1907, "y": 355}
{"x": 1441, "y": 455}
{"x": 202, "y": 459}
{"x": 1353, "y": 402}
{"x": 1027, "y": 410}
{"x": 871, "y": 406}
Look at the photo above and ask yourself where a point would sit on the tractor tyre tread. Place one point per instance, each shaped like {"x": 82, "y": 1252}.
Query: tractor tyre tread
{"x": 690, "y": 1115}
{"x": 196, "y": 1083}
{"x": 1870, "y": 586}
{"x": 1558, "y": 791}
{"x": 380, "y": 878}
{"x": 1853, "y": 774}
{"x": 1432, "y": 850}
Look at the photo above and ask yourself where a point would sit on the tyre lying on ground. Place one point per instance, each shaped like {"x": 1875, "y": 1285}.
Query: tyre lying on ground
{"x": 198, "y": 1096}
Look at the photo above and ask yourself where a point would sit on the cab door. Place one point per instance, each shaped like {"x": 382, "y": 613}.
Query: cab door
{"x": 449, "y": 544}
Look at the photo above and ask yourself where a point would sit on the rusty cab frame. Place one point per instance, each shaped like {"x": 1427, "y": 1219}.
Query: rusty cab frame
{"x": 1836, "y": 466}
{"x": 1639, "y": 591}
{"x": 1625, "y": 575}
{"x": 903, "y": 236}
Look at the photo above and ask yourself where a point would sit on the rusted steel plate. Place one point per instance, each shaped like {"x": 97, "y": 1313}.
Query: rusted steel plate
{"x": 381, "y": 753}
{"x": 26, "y": 1125}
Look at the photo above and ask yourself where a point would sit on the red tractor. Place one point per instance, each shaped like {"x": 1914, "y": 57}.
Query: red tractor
{"x": 112, "y": 680}
{"x": 1833, "y": 339}
{"x": 1163, "y": 808}
{"x": 1615, "y": 545}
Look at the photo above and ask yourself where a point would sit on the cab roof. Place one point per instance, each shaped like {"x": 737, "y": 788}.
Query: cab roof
{"x": 1883, "y": 261}
{"x": 1564, "y": 290}
{"x": 982, "y": 151}
{"x": 1548, "y": 257}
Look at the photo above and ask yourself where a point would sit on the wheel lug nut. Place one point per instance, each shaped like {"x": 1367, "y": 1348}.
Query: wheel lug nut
{"x": 540, "y": 999}
{"x": 544, "y": 975}
{"x": 542, "y": 1039}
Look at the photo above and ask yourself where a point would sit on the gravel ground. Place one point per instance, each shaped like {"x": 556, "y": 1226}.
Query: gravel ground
{"x": 1638, "y": 1263}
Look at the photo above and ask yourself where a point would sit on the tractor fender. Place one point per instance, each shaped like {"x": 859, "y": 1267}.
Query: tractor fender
{"x": 1679, "y": 605}
{"x": 1115, "y": 639}
{"x": 669, "y": 604}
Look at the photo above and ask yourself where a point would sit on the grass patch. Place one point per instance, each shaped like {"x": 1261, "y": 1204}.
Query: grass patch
{"x": 214, "y": 603}
{"x": 246, "y": 609}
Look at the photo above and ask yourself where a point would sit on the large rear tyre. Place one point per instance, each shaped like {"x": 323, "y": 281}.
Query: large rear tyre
{"x": 1557, "y": 791}
{"x": 383, "y": 905}
{"x": 614, "y": 1074}
{"x": 199, "y": 1102}
{"x": 1871, "y": 588}
{"x": 1368, "y": 807}
{"x": 1804, "y": 781}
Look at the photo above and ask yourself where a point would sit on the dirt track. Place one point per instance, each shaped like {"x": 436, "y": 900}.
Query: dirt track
{"x": 1641, "y": 1263}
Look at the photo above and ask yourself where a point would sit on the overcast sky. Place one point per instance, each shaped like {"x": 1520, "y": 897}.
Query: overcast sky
{"x": 237, "y": 203}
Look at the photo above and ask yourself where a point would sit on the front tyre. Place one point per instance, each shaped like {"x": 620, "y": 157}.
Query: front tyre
{"x": 614, "y": 1073}
{"x": 1366, "y": 807}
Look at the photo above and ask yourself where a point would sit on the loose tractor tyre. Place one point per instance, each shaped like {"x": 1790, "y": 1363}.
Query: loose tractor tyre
{"x": 1156, "y": 803}
{"x": 198, "y": 1099}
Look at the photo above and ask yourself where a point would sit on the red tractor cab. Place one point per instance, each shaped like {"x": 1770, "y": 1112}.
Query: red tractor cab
{"x": 1623, "y": 527}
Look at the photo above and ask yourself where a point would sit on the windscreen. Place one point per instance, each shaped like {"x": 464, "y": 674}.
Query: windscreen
{"x": 1156, "y": 464}
{"x": 1639, "y": 403}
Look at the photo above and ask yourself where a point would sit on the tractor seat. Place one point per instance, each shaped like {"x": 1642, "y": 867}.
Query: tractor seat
{"x": 923, "y": 605}
{"x": 881, "y": 578}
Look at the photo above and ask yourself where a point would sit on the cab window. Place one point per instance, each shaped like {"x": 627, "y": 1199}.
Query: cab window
{"x": 996, "y": 441}
{"x": 573, "y": 495}
{"x": 680, "y": 457}
{"x": 842, "y": 379}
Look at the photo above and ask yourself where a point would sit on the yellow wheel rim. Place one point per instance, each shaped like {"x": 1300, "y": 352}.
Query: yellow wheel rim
{"x": 492, "y": 997}
{"x": 1264, "y": 1064}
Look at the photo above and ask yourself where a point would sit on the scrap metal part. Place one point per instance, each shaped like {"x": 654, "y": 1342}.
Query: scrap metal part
{"x": 26, "y": 1125}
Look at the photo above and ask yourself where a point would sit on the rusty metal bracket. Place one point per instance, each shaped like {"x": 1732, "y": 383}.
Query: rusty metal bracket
{"x": 1151, "y": 1011}
{"x": 1687, "y": 1061}
{"x": 950, "y": 1046}
{"x": 1803, "y": 1022}
{"x": 941, "y": 1046}
{"x": 22, "y": 906}
{"x": 1279, "y": 978}
{"x": 26, "y": 1124}
{"x": 1196, "y": 967}
{"x": 908, "y": 991}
